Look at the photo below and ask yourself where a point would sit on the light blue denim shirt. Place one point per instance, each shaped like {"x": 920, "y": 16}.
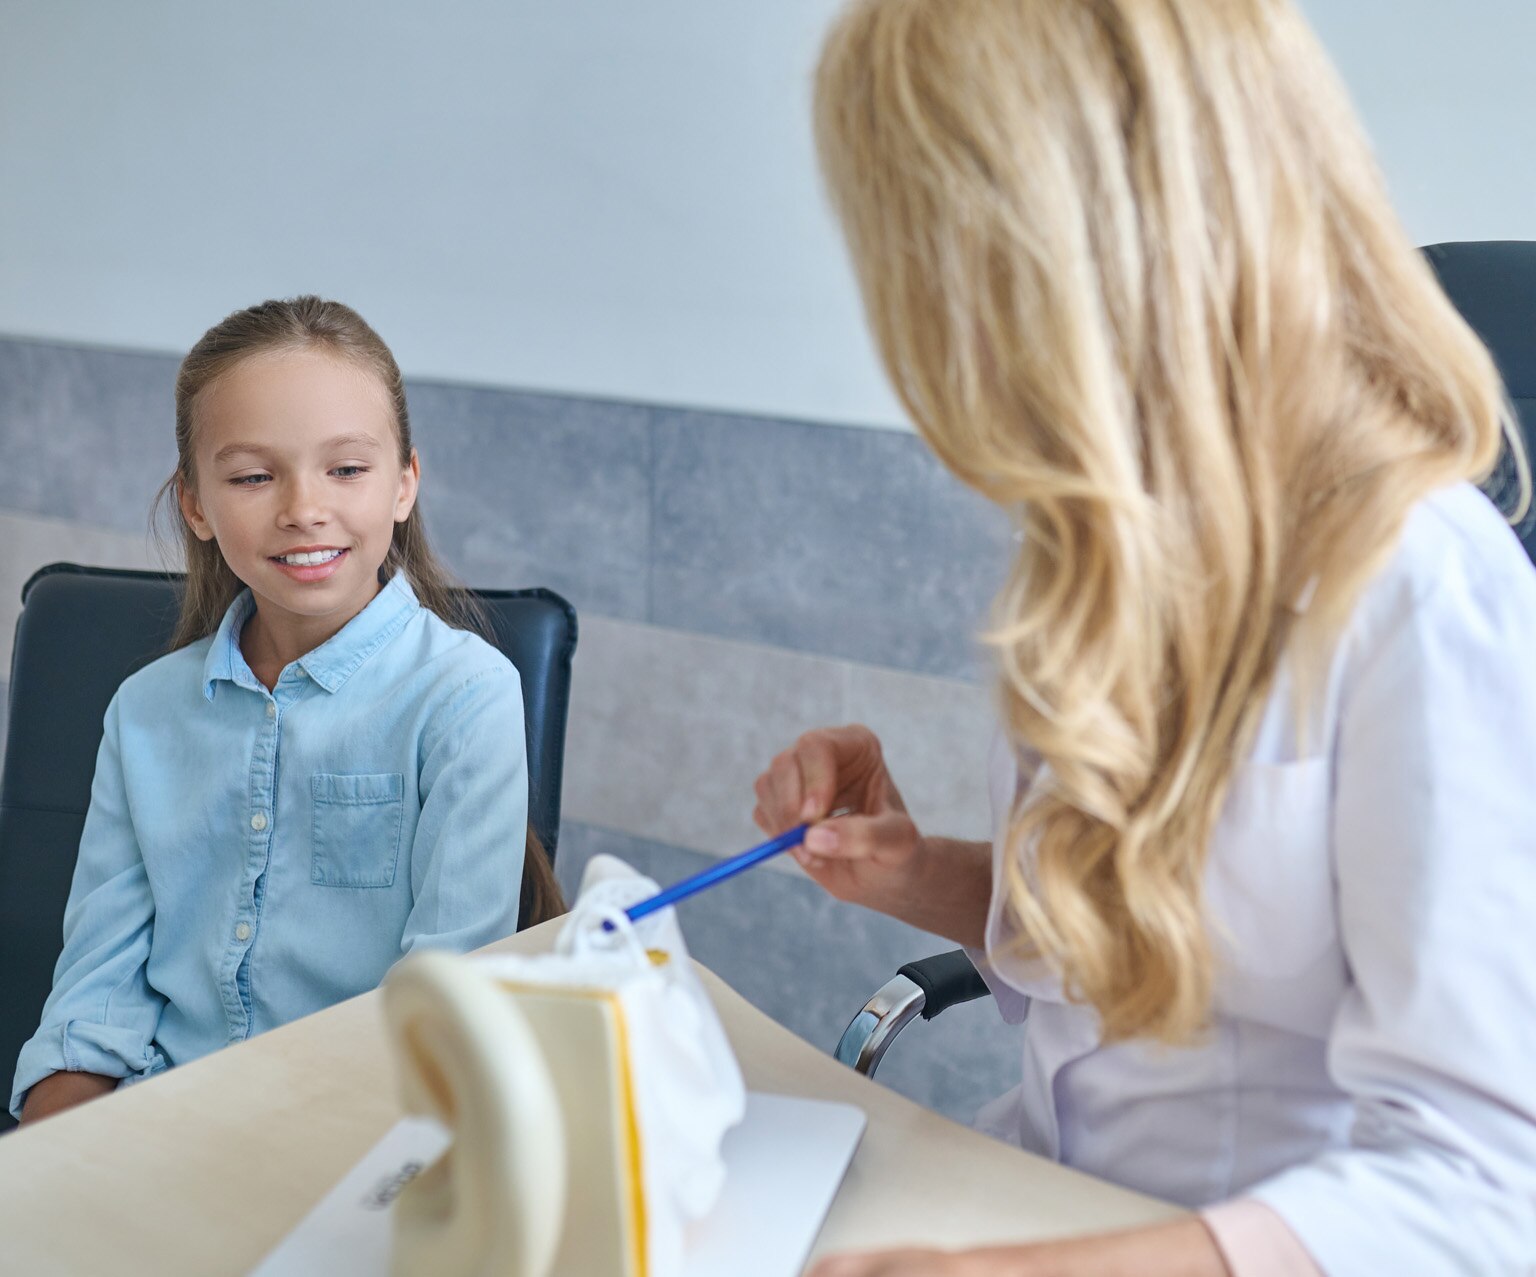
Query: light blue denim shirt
{"x": 250, "y": 857}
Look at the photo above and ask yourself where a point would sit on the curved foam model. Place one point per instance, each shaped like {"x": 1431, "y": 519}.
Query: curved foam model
{"x": 587, "y": 1091}
{"x": 495, "y": 1201}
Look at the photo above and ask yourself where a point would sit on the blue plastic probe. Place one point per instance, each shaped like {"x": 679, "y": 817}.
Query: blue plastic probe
{"x": 718, "y": 873}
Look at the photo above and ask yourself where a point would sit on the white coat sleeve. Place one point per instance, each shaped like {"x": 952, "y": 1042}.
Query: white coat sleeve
{"x": 1435, "y": 854}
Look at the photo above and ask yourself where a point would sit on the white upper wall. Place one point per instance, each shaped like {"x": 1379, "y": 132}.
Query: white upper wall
{"x": 1447, "y": 95}
{"x": 593, "y": 196}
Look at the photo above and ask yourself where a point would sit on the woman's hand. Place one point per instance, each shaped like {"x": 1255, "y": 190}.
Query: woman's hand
{"x": 60, "y": 1091}
{"x": 1180, "y": 1248}
{"x": 917, "y": 1263}
{"x": 874, "y": 856}
{"x": 865, "y": 857}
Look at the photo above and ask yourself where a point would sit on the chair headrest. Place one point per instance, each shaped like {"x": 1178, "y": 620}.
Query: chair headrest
{"x": 1493, "y": 284}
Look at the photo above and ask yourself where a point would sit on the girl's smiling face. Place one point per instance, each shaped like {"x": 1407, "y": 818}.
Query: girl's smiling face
{"x": 299, "y": 481}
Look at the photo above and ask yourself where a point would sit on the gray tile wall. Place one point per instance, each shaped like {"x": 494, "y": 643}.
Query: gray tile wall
{"x": 522, "y": 489}
{"x": 27, "y": 541}
{"x": 669, "y": 730}
{"x": 836, "y": 540}
{"x": 842, "y": 541}
{"x": 711, "y": 547}
{"x": 86, "y": 434}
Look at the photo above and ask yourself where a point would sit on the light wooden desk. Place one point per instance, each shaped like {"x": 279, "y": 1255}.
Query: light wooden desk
{"x": 204, "y": 1169}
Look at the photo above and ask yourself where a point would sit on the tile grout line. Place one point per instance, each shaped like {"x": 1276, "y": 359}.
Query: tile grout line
{"x": 653, "y": 426}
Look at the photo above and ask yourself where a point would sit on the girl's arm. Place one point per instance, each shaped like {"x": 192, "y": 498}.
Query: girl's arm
{"x": 467, "y": 855}
{"x": 60, "y": 1091}
{"x": 102, "y": 1014}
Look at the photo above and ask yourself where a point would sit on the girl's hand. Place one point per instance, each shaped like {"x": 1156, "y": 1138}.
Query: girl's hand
{"x": 1180, "y": 1248}
{"x": 868, "y": 857}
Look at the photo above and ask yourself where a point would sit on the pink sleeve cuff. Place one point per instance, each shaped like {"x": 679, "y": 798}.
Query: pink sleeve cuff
{"x": 1255, "y": 1242}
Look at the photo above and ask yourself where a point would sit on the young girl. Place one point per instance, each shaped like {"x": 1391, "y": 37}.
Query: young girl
{"x": 1264, "y": 876}
{"x": 327, "y": 771}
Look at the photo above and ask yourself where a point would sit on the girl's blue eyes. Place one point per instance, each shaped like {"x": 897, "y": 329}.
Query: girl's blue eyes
{"x": 259, "y": 480}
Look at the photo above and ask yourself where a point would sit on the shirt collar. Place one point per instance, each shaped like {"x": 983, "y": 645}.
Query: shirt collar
{"x": 334, "y": 661}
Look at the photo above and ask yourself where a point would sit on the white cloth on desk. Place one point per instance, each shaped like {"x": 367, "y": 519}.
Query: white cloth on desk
{"x": 1370, "y": 1074}
{"x": 688, "y": 1088}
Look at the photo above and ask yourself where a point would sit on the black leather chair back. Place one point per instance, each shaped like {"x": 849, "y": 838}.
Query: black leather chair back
{"x": 1493, "y": 284}
{"x": 81, "y": 632}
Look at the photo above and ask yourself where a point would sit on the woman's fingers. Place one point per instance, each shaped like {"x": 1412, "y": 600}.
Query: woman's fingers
{"x": 800, "y": 782}
{"x": 778, "y": 794}
{"x": 886, "y": 839}
{"x": 894, "y": 1263}
{"x": 860, "y": 858}
{"x": 844, "y": 1266}
{"x": 825, "y": 768}
{"x": 832, "y": 837}
{"x": 817, "y": 754}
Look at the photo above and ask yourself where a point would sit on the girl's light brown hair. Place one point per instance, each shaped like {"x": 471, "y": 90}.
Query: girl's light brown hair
{"x": 314, "y": 323}
{"x": 1132, "y": 272}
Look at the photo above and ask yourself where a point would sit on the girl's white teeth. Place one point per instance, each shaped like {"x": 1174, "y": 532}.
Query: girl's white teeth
{"x": 308, "y": 560}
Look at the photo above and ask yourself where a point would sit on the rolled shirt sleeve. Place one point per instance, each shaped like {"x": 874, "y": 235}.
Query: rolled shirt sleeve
{"x": 1435, "y": 1040}
{"x": 467, "y": 856}
{"x": 102, "y": 1013}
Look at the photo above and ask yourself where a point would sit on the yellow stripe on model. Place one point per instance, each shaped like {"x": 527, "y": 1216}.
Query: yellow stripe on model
{"x": 638, "y": 1255}
{"x": 639, "y": 1265}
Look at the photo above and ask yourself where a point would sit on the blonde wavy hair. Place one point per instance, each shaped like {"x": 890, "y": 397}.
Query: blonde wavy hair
{"x": 1131, "y": 269}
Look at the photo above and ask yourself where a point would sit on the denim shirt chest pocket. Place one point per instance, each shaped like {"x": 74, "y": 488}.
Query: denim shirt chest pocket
{"x": 356, "y": 829}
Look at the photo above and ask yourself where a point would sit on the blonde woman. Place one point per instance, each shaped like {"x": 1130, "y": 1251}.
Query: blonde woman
{"x": 1264, "y": 877}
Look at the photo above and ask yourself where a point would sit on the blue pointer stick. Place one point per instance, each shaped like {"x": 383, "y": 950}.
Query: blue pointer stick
{"x": 725, "y": 869}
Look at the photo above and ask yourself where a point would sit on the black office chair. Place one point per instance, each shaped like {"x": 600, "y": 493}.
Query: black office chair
{"x": 1493, "y": 284}
{"x": 80, "y": 633}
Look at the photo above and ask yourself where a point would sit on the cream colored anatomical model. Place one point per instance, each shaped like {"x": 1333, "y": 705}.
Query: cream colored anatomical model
{"x": 587, "y": 1091}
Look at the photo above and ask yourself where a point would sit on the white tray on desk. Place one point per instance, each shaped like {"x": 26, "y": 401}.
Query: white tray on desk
{"x": 784, "y": 1164}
